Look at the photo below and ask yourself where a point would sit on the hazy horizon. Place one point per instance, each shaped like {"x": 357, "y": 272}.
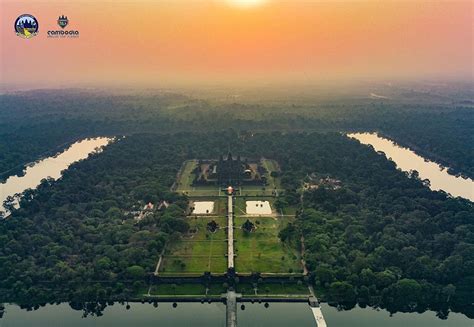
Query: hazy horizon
{"x": 219, "y": 43}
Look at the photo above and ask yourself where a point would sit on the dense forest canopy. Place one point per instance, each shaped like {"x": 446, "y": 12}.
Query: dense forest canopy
{"x": 32, "y": 124}
{"x": 82, "y": 228}
{"x": 381, "y": 237}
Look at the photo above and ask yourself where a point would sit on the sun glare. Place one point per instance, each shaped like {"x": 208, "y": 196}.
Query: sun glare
{"x": 246, "y": 3}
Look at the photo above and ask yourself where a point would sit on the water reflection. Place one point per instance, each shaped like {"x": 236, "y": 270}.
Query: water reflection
{"x": 49, "y": 167}
{"x": 117, "y": 315}
{"x": 210, "y": 315}
{"x": 369, "y": 317}
{"x": 408, "y": 160}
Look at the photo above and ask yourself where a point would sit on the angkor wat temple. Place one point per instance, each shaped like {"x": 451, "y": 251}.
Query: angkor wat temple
{"x": 229, "y": 171}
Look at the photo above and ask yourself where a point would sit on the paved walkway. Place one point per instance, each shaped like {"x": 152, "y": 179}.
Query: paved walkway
{"x": 231, "y": 308}
{"x": 318, "y": 314}
{"x": 160, "y": 260}
{"x": 230, "y": 232}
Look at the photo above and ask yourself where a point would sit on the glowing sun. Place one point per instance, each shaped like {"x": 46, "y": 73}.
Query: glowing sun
{"x": 246, "y": 3}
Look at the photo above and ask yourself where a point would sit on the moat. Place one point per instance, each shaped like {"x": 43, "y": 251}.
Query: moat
{"x": 213, "y": 315}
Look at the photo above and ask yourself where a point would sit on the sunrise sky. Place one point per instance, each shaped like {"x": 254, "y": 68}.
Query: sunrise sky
{"x": 191, "y": 41}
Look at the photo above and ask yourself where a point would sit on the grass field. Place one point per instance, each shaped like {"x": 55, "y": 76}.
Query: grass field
{"x": 201, "y": 191}
{"x": 290, "y": 288}
{"x": 252, "y": 190}
{"x": 199, "y": 252}
{"x": 273, "y": 186}
{"x": 267, "y": 289}
{"x": 181, "y": 289}
{"x": 271, "y": 165}
{"x": 261, "y": 250}
{"x": 186, "y": 178}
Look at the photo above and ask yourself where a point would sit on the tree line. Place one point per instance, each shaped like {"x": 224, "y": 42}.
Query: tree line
{"x": 35, "y": 122}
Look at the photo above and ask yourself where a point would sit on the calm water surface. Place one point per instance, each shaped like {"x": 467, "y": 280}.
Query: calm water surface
{"x": 408, "y": 160}
{"x": 213, "y": 315}
{"x": 50, "y": 167}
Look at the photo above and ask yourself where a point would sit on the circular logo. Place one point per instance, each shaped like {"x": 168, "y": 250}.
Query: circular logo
{"x": 26, "y": 26}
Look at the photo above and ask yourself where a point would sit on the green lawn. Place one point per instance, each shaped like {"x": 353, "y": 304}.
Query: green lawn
{"x": 290, "y": 288}
{"x": 216, "y": 289}
{"x": 267, "y": 289}
{"x": 239, "y": 205}
{"x": 198, "y": 252}
{"x": 246, "y": 289}
{"x": 271, "y": 165}
{"x": 178, "y": 289}
{"x": 186, "y": 178}
{"x": 272, "y": 183}
{"x": 200, "y": 191}
{"x": 261, "y": 250}
{"x": 222, "y": 207}
{"x": 252, "y": 190}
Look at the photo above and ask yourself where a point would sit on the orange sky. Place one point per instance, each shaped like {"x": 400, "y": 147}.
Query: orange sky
{"x": 168, "y": 42}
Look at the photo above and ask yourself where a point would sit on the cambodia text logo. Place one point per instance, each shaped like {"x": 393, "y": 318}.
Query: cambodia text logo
{"x": 63, "y": 21}
{"x": 26, "y": 26}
